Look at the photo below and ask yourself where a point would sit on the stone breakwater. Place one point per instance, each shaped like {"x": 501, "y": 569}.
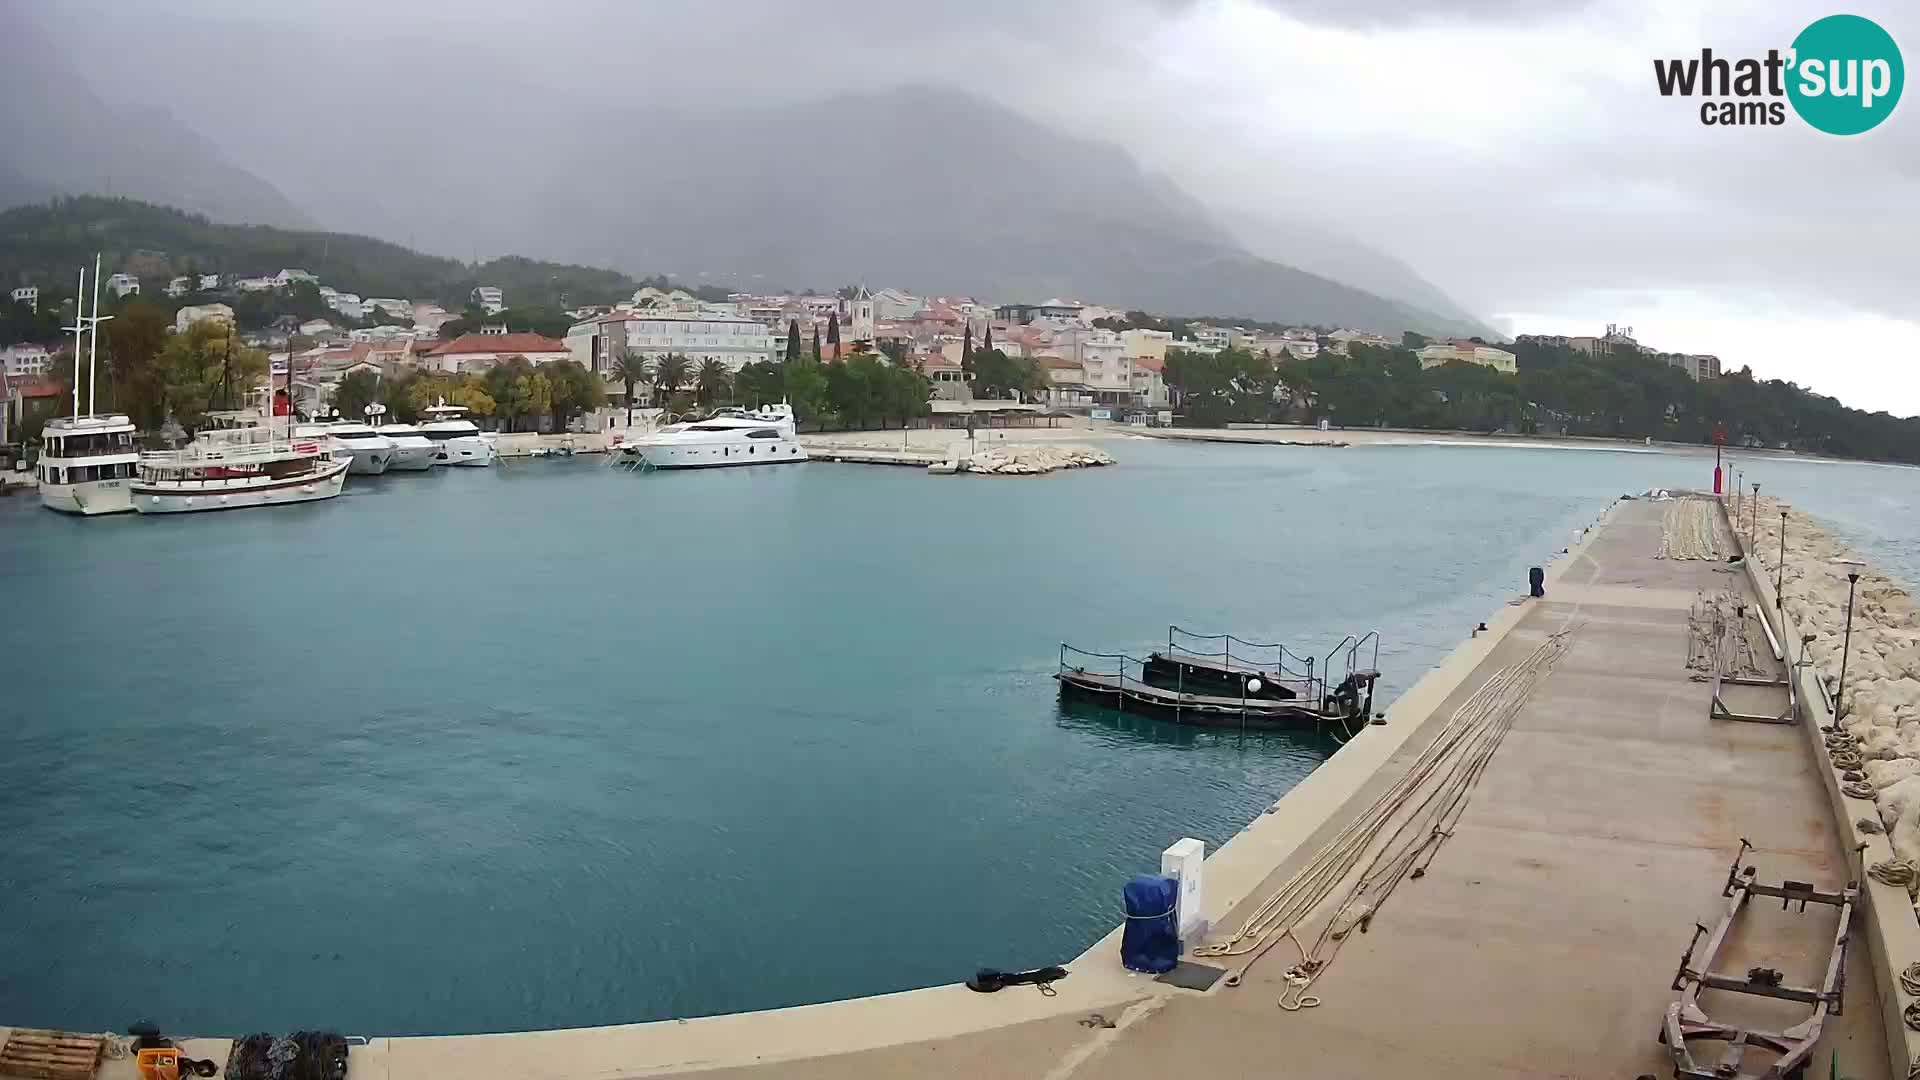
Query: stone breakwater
{"x": 1027, "y": 460}
{"x": 1881, "y": 699}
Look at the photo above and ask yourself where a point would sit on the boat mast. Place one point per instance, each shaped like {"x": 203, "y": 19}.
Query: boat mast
{"x": 93, "y": 351}
{"x": 78, "y": 328}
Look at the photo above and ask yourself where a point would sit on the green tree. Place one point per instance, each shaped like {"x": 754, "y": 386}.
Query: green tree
{"x": 199, "y": 368}
{"x": 510, "y": 385}
{"x": 817, "y": 355}
{"x": 670, "y": 373}
{"x": 759, "y": 383}
{"x": 575, "y": 391}
{"x": 966, "y": 348}
{"x": 806, "y": 390}
{"x": 546, "y": 320}
{"x": 712, "y": 383}
{"x": 793, "y": 340}
{"x": 997, "y": 375}
{"x": 833, "y": 334}
{"x": 130, "y": 346}
{"x": 631, "y": 370}
{"x": 355, "y": 392}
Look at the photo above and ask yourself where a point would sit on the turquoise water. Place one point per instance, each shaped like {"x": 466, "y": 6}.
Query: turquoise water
{"x": 557, "y": 745}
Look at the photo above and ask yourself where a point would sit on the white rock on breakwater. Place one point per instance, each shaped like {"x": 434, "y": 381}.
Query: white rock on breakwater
{"x": 1883, "y": 669}
{"x": 1026, "y": 460}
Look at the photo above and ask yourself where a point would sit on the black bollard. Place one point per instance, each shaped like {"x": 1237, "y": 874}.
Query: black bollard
{"x": 1537, "y": 579}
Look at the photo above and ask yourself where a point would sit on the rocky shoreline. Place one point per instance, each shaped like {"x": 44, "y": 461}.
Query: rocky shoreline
{"x": 1024, "y": 460}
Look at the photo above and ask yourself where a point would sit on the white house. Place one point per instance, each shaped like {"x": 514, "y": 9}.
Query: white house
{"x": 1150, "y": 382}
{"x": 26, "y": 361}
{"x": 209, "y": 281}
{"x": 194, "y": 313}
{"x": 479, "y": 352}
{"x": 490, "y": 299}
{"x": 255, "y": 284}
{"x": 1213, "y": 337}
{"x": 316, "y": 327}
{"x": 1470, "y": 351}
{"x": 123, "y": 285}
{"x": 28, "y": 295}
{"x": 734, "y": 340}
{"x": 287, "y": 277}
{"x": 892, "y": 305}
{"x": 391, "y": 307}
{"x": 179, "y": 286}
{"x": 347, "y": 304}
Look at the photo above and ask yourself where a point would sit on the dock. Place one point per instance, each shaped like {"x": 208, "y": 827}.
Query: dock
{"x": 1541, "y": 939}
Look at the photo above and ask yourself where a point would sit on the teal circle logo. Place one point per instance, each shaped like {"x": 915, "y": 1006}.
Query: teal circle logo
{"x": 1846, "y": 75}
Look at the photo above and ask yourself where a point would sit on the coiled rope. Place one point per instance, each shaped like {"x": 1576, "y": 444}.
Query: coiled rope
{"x": 1901, "y": 873}
{"x": 1857, "y": 789}
{"x": 1394, "y": 838}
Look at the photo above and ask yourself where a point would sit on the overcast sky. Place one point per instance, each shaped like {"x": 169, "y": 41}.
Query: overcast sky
{"x": 1514, "y": 152}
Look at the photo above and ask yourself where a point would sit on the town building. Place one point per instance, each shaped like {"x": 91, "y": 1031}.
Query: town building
{"x": 391, "y": 307}
{"x": 28, "y": 295}
{"x": 287, "y": 277}
{"x": 1212, "y": 337}
{"x": 255, "y": 284}
{"x": 1699, "y": 367}
{"x": 1147, "y": 344}
{"x": 179, "y": 286}
{"x": 1054, "y": 310}
{"x": 193, "y": 313}
{"x": 122, "y": 285}
{"x": 734, "y": 340}
{"x": 317, "y": 328}
{"x": 347, "y": 304}
{"x": 25, "y": 361}
{"x": 491, "y": 299}
{"x": 209, "y": 281}
{"x": 892, "y": 305}
{"x": 480, "y": 352}
{"x": 1149, "y": 376}
{"x": 1472, "y": 352}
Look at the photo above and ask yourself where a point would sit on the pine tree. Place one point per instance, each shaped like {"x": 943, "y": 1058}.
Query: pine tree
{"x": 793, "y": 340}
{"x": 833, "y": 334}
{"x": 817, "y": 355}
{"x": 966, "y": 348}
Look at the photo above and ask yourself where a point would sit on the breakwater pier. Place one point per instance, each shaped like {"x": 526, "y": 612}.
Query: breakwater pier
{"x": 1541, "y": 940}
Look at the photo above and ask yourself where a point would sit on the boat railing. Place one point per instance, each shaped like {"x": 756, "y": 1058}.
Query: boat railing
{"x": 1116, "y": 664}
{"x": 234, "y": 446}
{"x": 1274, "y": 658}
{"x": 1349, "y": 649}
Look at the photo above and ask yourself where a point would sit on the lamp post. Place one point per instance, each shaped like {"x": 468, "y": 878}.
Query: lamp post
{"x": 1846, "y": 641}
{"x": 1753, "y": 517}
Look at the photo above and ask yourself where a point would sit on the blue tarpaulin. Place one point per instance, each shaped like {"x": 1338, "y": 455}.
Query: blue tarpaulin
{"x": 1151, "y": 940}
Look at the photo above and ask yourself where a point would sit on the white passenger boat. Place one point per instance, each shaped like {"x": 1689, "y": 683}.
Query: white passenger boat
{"x": 228, "y": 468}
{"x": 763, "y": 436}
{"x": 457, "y": 440}
{"x": 87, "y": 464}
{"x": 87, "y": 461}
{"x": 367, "y": 452}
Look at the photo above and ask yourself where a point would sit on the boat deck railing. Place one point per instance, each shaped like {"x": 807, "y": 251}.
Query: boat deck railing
{"x": 1349, "y": 650}
{"x": 1275, "y": 659}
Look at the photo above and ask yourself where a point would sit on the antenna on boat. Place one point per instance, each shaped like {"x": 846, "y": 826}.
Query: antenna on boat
{"x": 78, "y": 328}
{"x": 93, "y": 350}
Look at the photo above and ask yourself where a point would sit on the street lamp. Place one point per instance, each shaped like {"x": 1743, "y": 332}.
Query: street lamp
{"x": 1753, "y": 519}
{"x": 1846, "y": 642}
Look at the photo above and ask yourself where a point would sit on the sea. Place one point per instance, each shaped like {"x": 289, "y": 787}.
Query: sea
{"x": 553, "y": 744}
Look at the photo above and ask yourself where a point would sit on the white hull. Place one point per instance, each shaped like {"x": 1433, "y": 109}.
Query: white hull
{"x": 188, "y": 496}
{"x": 465, "y": 450}
{"x": 364, "y": 461}
{"x": 88, "y": 499}
{"x": 412, "y": 458}
{"x": 728, "y": 455}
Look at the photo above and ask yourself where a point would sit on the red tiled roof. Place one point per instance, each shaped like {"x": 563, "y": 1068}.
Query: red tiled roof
{"x": 1149, "y": 363}
{"x": 39, "y": 388}
{"x": 1059, "y": 363}
{"x": 499, "y": 343}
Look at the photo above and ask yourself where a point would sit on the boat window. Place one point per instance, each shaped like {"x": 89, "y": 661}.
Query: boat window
{"x": 763, "y": 433}
{"x": 710, "y": 427}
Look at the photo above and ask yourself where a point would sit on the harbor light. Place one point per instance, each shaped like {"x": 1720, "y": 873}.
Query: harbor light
{"x": 1846, "y": 642}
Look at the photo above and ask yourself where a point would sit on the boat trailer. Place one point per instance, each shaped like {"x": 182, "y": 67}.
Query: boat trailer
{"x": 1686, "y": 1021}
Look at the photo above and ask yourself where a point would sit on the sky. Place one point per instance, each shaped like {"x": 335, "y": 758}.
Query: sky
{"x": 1514, "y": 152}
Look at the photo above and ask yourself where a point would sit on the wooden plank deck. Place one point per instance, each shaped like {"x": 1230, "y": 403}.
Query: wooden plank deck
{"x": 1190, "y": 707}
{"x": 50, "y": 1055}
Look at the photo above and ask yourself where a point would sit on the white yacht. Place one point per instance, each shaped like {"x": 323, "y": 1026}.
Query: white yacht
{"x": 87, "y": 464}
{"x": 367, "y": 452}
{"x": 763, "y": 436}
{"x": 457, "y": 440}
{"x": 412, "y": 451}
{"x": 232, "y": 467}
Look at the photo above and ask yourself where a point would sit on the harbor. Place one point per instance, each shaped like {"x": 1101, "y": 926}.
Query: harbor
{"x": 1541, "y": 939}
{"x": 1599, "y": 832}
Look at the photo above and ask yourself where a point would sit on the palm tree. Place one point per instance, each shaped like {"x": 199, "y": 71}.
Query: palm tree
{"x": 670, "y": 373}
{"x": 711, "y": 382}
{"x": 630, "y": 370}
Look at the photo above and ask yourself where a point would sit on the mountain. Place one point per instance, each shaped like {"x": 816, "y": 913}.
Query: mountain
{"x": 954, "y": 196}
{"x": 61, "y": 138}
{"x": 38, "y": 243}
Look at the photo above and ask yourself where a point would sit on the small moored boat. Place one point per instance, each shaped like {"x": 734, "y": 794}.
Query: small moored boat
{"x": 228, "y": 468}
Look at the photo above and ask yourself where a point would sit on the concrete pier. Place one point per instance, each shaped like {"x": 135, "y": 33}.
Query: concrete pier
{"x": 1541, "y": 942}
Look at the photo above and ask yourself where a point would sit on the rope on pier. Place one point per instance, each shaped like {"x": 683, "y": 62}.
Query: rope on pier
{"x": 1901, "y": 874}
{"x": 1690, "y": 530}
{"x": 1394, "y": 838}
